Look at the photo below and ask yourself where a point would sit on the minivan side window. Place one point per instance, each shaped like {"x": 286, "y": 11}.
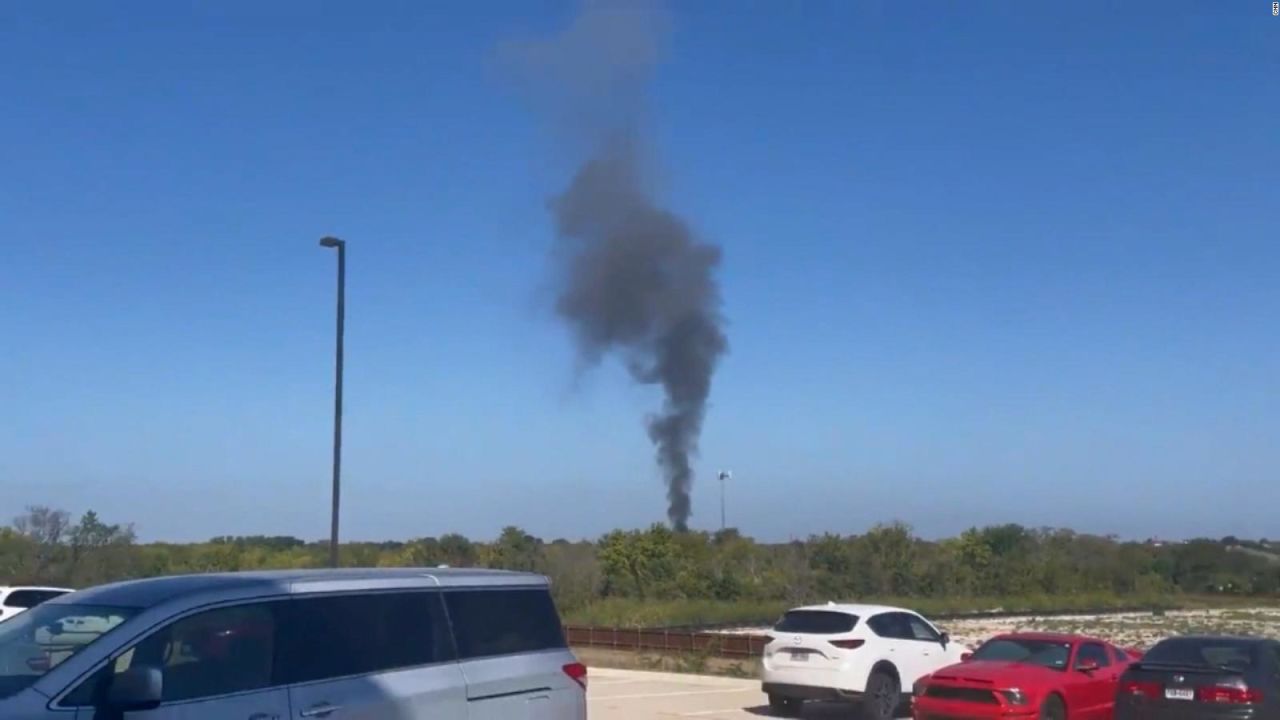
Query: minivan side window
{"x": 338, "y": 636}
{"x": 504, "y": 621}
{"x": 217, "y": 652}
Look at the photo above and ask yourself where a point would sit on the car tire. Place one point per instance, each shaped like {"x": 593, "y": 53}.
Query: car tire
{"x": 882, "y": 698}
{"x": 784, "y": 706}
{"x": 1053, "y": 709}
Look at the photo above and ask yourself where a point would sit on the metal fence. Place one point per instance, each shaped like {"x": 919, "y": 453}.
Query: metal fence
{"x": 673, "y": 641}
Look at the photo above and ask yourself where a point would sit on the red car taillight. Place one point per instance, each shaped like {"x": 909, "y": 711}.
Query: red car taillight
{"x": 577, "y": 672}
{"x": 1143, "y": 689}
{"x": 1231, "y": 694}
{"x": 848, "y": 644}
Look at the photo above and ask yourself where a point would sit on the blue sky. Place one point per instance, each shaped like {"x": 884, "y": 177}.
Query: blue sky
{"x": 984, "y": 262}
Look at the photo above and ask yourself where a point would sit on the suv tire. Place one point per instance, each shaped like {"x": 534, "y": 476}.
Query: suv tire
{"x": 882, "y": 698}
{"x": 784, "y": 706}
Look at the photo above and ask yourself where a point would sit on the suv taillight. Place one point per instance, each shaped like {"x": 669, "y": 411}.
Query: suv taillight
{"x": 848, "y": 644}
{"x": 578, "y": 673}
{"x": 1230, "y": 694}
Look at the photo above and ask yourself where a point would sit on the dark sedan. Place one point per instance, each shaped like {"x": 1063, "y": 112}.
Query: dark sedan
{"x": 1203, "y": 678}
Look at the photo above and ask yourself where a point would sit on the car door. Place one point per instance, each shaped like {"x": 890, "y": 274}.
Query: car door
{"x": 217, "y": 664}
{"x": 1095, "y": 689}
{"x": 926, "y": 649}
{"x": 370, "y": 656}
{"x": 1270, "y": 679}
{"x": 899, "y": 646}
{"x": 513, "y": 654}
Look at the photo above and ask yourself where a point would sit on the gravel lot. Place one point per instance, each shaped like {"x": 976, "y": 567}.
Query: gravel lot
{"x": 1138, "y": 630}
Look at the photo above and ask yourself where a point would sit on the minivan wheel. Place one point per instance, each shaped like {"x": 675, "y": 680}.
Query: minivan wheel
{"x": 1053, "y": 709}
{"x": 785, "y": 706}
{"x": 882, "y": 698}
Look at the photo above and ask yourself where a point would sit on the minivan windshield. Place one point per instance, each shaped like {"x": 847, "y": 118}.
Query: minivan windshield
{"x": 38, "y": 640}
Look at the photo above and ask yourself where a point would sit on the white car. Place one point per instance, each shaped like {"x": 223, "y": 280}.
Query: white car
{"x": 14, "y": 600}
{"x": 866, "y": 654}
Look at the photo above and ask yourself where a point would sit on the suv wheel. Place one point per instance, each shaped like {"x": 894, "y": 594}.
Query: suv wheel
{"x": 784, "y": 706}
{"x": 882, "y": 698}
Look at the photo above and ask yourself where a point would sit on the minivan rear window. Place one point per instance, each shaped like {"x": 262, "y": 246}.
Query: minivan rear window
{"x": 816, "y": 622}
{"x": 504, "y": 622}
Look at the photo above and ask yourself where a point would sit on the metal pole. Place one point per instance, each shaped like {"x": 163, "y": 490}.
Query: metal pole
{"x": 337, "y": 396}
{"x": 724, "y": 475}
{"x": 722, "y": 524}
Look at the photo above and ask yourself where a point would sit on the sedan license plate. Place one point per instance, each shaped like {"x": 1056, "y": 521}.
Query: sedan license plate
{"x": 1179, "y": 694}
{"x": 799, "y": 656}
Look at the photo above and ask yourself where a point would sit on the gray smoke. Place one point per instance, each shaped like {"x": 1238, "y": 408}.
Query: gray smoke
{"x": 635, "y": 280}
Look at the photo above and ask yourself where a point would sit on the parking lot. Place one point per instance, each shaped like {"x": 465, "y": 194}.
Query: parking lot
{"x": 635, "y": 695}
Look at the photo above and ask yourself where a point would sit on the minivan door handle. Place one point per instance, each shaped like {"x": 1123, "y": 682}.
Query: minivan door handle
{"x": 319, "y": 711}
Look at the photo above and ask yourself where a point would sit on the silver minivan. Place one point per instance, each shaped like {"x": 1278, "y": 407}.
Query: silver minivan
{"x": 393, "y": 644}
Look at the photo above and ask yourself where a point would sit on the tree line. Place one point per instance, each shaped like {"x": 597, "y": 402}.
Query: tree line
{"x": 657, "y": 576}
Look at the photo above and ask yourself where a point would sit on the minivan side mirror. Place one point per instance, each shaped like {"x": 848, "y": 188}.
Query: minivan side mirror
{"x": 946, "y": 639}
{"x": 137, "y": 689}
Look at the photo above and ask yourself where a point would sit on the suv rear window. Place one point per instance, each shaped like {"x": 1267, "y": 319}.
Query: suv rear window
{"x": 1203, "y": 652}
{"x": 816, "y": 622}
{"x": 26, "y": 599}
{"x": 503, "y": 622}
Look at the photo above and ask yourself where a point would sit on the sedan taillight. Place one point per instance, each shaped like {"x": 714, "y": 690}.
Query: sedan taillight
{"x": 1228, "y": 694}
{"x": 1140, "y": 688}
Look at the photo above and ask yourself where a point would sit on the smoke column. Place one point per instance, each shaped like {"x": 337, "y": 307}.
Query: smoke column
{"x": 634, "y": 280}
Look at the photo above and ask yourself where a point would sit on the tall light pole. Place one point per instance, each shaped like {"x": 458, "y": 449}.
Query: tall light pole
{"x": 724, "y": 476}
{"x": 341, "y": 245}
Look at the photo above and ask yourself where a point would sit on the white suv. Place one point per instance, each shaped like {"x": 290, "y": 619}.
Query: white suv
{"x": 14, "y": 600}
{"x": 865, "y": 654}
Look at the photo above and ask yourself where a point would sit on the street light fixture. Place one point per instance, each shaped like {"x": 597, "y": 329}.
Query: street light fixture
{"x": 341, "y": 246}
{"x": 725, "y": 475}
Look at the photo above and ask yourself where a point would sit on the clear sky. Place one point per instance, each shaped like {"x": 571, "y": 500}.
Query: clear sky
{"x": 984, "y": 262}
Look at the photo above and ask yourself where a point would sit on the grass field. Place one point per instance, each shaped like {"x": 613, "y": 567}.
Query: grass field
{"x": 632, "y": 613}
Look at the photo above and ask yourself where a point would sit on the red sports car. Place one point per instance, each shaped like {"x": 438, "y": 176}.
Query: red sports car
{"x": 1048, "y": 676}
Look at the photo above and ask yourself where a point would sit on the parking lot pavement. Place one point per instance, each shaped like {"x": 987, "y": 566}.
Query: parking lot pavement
{"x": 635, "y": 695}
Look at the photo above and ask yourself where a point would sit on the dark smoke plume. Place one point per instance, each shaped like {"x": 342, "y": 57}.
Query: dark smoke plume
{"x": 635, "y": 280}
